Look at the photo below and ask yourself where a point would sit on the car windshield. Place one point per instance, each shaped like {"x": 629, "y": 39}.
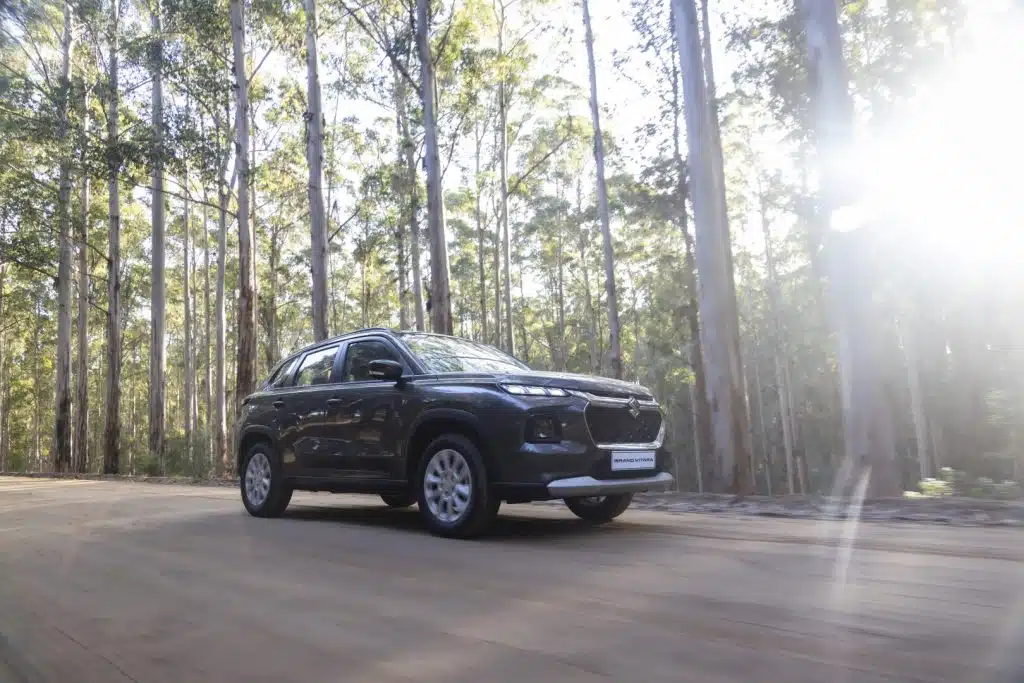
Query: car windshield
{"x": 448, "y": 354}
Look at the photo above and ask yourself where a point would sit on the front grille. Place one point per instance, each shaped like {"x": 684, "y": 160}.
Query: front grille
{"x": 615, "y": 424}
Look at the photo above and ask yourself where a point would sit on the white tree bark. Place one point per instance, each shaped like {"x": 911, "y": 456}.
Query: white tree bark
{"x": 481, "y": 255}
{"x": 921, "y": 431}
{"x": 220, "y": 427}
{"x": 315, "y": 160}
{"x": 614, "y": 348}
{"x": 190, "y": 369}
{"x": 409, "y": 150}
{"x": 440, "y": 295}
{"x": 778, "y": 350}
{"x": 720, "y": 326}
{"x": 398, "y": 187}
{"x": 80, "y": 454}
{"x": 112, "y": 392}
{"x": 62, "y": 405}
{"x": 504, "y": 281}
{"x": 207, "y": 337}
{"x": 867, "y": 425}
{"x": 245, "y": 371}
{"x": 158, "y": 306}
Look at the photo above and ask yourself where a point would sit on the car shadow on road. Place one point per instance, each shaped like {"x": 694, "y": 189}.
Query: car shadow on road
{"x": 508, "y": 526}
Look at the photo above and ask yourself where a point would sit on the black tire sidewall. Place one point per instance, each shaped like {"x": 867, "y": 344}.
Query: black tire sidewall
{"x": 280, "y": 493}
{"x": 611, "y": 507}
{"x": 482, "y": 505}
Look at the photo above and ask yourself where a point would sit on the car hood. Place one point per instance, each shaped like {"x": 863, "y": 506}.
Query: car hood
{"x": 566, "y": 380}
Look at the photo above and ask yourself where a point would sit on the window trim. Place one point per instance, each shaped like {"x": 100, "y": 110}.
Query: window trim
{"x": 332, "y": 378}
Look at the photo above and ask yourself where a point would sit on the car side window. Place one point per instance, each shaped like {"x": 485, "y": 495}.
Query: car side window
{"x": 316, "y": 367}
{"x": 359, "y": 355}
{"x": 283, "y": 374}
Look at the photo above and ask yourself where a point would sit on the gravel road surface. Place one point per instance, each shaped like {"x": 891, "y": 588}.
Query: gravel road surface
{"x": 108, "y": 582}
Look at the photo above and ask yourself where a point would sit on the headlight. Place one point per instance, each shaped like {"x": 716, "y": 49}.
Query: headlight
{"x": 527, "y": 390}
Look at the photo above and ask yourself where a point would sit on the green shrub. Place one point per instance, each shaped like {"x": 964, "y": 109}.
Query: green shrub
{"x": 956, "y": 483}
{"x": 934, "y": 488}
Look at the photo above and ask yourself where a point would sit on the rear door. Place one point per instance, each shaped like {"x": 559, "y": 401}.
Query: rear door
{"x": 306, "y": 406}
{"x": 363, "y": 417}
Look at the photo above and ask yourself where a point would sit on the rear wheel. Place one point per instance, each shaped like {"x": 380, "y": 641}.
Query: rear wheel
{"x": 599, "y": 509}
{"x": 454, "y": 493}
{"x": 264, "y": 490}
{"x": 398, "y": 500}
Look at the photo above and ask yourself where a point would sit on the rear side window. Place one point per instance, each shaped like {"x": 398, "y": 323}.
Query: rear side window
{"x": 283, "y": 374}
{"x": 316, "y": 367}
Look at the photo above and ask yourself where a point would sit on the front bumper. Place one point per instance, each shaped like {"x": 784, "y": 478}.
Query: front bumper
{"x": 590, "y": 486}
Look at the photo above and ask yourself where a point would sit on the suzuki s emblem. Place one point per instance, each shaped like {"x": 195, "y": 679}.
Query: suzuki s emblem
{"x": 633, "y": 406}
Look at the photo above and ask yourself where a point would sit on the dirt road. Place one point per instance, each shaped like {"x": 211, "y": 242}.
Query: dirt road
{"x": 109, "y": 582}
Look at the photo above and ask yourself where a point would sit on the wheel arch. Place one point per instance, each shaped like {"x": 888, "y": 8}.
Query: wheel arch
{"x": 249, "y": 438}
{"x": 435, "y": 422}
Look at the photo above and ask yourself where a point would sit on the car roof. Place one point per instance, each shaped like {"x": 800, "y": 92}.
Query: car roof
{"x": 341, "y": 338}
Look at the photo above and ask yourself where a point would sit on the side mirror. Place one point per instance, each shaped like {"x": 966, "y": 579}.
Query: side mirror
{"x": 385, "y": 370}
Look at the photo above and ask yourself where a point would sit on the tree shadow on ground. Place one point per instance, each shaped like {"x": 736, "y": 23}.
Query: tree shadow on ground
{"x": 508, "y": 526}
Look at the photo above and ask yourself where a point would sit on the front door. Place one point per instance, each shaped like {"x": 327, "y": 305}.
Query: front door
{"x": 362, "y": 419}
{"x": 308, "y": 403}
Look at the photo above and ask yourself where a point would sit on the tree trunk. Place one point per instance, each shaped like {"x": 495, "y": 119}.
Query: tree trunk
{"x": 440, "y": 296}
{"x": 562, "y": 350}
{"x": 273, "y": 344}
{"x": 615, "y": 350}
{"x": 112, "y": 424}
{"x": 766, "y": 446}
{"x": 506, "y": 249}
{"x": 702, "y": 407}
{"x": 245, "y": 370}
{"x": 220, "y": 440}
{"x": 37, "y": 373}
{"x": 315, "y": 159}
{"x": 778, "y": 348}
{"x": 398, "y": 188}
{"x": 921, "y": 431}
{"x": 5, "y": 406}
{"x": 480, "y": 240}
{"x": 414, "y": 227}
{"x": 588, "y": 299}
{"x": 867, "y": 425}
{"x": 62, "y": 405}
{"x": 697, "y": 452}
{"x": 720, "y": 326}
{"x": 190, "y": 374}
{"x": 206, "y": 325}
{"x": 157, "y": 360}
{"x": 80, "y": 443}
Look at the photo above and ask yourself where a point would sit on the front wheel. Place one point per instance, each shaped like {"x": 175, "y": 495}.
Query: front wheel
{"x": 454, "y": 493}
{"x": 264, "y": 490}
{"x": 599, "y": 509}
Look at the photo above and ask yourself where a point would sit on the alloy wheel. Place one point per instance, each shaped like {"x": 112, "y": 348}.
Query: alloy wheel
{"x": 448, "y": 486}
{"x": 257, "y": 479}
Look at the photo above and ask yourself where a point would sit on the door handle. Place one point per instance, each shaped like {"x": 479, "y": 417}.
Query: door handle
{"x": 279, "y": 404}
{"x": 333, "y": 402}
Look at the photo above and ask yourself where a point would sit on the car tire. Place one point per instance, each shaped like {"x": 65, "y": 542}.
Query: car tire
{"x": 398, "y": 501}
{"x": 599, "y": 509}
{"x": 455, "y": 513}
{"x": 265, "y": 493}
